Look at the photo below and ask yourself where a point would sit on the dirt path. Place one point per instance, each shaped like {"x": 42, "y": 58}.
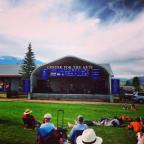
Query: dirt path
{"x": 59, "y": 101}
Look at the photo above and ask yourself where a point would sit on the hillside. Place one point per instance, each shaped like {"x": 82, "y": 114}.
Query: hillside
{"x": 14, "y": 60}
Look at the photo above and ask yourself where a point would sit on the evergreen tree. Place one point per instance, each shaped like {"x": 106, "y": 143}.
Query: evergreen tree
{"x": 28, "y": 64}
{"x": 127, "y": 83}
{"x": 136, "y": 83}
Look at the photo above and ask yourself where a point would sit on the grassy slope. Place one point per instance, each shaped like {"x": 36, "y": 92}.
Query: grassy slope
{"x": 12, "y": 132}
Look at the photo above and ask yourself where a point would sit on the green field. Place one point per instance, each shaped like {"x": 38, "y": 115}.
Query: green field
{"x": 12, "y": 132}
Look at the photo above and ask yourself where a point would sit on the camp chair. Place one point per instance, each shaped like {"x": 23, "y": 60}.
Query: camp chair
{"x": 28, "y": 123}
{"x": 76, "y": 133}
{"x": 49, "y": 138}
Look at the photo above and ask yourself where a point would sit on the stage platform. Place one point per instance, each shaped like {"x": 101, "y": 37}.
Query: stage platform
{"x": 89, "y": 97}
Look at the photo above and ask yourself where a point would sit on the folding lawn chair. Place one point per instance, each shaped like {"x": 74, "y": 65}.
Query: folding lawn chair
{"x": 75, "y": 135}
{"x": 49, "y": 138}
{"x": 28, "y": 123}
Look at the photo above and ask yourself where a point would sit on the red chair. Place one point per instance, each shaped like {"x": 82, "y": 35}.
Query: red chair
{"x": 28, "y": 123}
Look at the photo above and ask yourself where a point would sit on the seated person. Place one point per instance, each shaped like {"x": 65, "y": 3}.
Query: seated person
{"x": 29, "y": 120}
{"x": 47, "y": 126}
{"x": 125, "y": 106}
{"x": 133, "y": 107}
{"x": 140, "y": 136}
{"x": 142, "y": 121}
{"x": 125, "y": 118}
{"x": 79, "y": 126}
{"x": 88, "y": 137}
{"x": 135, "y": 125}
{"x": 47, "y": 131}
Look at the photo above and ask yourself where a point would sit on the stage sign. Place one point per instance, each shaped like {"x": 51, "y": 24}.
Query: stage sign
{"x": 115, "y": 86}
{"x": 80, "y": 72}
{"x": 69, "y": 72}
{"x": 26, "y": 85}
{"x": 44, "y": 74}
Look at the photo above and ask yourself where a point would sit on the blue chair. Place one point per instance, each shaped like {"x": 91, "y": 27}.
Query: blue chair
{"x": 49, "y": 138}
{"x": 74, "y": 136}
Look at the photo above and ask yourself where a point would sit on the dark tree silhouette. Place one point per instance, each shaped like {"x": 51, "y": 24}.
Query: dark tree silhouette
{"x": 28, "y": 64}
{"x": 136, "y": 83}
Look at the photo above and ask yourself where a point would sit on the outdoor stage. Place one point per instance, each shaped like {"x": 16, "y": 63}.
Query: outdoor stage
{"x": 73, "y": 79}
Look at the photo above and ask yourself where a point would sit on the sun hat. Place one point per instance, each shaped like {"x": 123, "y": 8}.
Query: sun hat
{"x": 27, "y": 111}
{"x": 48, "y": 115}
{"x": 89, "y": 137}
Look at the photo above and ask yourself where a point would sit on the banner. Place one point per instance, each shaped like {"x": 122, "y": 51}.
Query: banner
{"x": 26, "y": 85}
{"x": 115, "y": 86}
{"x": 95, "y": 74}
{"x": 44, "y": 74}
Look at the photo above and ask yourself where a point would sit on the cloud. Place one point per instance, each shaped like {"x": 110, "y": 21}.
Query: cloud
{"x": 128, "y": 70}
{"x": 57, "y": 29}
{"x": 4, "y": 40}
{"x": 110, "y": 10}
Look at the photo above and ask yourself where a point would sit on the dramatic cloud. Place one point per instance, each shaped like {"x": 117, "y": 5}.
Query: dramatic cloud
{"x": 110, "y": 10}
{"x": 103, "y": 31}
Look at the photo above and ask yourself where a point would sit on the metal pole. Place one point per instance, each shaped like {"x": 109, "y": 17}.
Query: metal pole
{"x": 31, "y": 87}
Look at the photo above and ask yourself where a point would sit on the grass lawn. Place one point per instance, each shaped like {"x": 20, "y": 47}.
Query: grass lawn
{"x": 12, "y": 132}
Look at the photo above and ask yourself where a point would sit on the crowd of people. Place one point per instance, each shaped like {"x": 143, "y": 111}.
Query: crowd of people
{"x": 47, "y": 132}
{"x": 80, "y": 132}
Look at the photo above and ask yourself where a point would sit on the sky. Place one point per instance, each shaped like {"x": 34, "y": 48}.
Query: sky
{"x": 100, "y": 31}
